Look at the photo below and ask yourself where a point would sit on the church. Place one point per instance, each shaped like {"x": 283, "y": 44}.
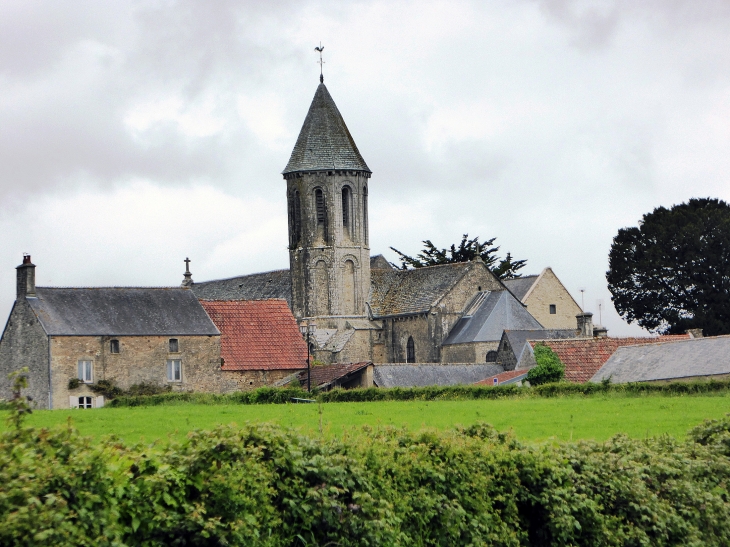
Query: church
{"x": 359, "y": 308}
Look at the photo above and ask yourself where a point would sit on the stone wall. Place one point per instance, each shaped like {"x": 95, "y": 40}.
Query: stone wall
{"x": 475, "y": 352}
{"x": 140, "y": 359}
{"x": 24, "y": 344}
{"x": 247, "y": 380}
{"x": 549, "y": 290}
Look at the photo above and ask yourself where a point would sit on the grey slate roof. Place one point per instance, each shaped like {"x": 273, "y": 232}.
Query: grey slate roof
{"x": 497, "y": 311}
{"x": 520, "y": 285}
{"x": 324, "y": 141}
{"x": 431, "y": 375}
{"x": 517, "y": 338}
{"x": 120, "y": 311}
{"x": 259, "y": 286}
{"x": 379, "y": 261}
{"x": 395, "y": 292}
{"x": 667, "y": 361}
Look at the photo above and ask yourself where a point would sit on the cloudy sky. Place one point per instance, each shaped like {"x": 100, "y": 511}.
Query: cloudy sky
{"x": 134, "y": 134}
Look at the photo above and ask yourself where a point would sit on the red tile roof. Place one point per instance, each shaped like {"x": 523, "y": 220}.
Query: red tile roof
{"x": 583, "y": 357}
{"x": 257, "y": 334}
{"x": 501, "y": 377}
{"x": 326, "y": 374}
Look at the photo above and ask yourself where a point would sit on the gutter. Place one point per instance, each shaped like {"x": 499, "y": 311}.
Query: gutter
{"x": 50, "y": 380}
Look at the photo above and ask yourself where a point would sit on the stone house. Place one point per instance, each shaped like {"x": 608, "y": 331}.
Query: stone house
{"x": 260, "y": 341}
{"x": 546, "y": 299}
{"x": 126, "y": 335}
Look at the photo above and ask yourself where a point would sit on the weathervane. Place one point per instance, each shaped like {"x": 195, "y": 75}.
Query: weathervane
{"x": 321, "y": 62}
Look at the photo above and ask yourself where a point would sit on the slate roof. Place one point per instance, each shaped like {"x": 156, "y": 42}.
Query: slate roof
{"x": 509, "y": 377}
{"x": 379, "y": 261}
{"x": 497, "y": 311}
{"x": 431, "y": 375}
{"x": 518, "y": 338}
{"x": 257, "y": 335}
{"x": 324, "y": 376}
{"x": 258, "y": 286}
{"x": 668, "y": 361}
{"x": 520, "y": 285}
{"x": 395, "y": 292}
{"x": 324, "y": 141}
{"x": 120, "y": 311}
{"x": 583, "y": 357}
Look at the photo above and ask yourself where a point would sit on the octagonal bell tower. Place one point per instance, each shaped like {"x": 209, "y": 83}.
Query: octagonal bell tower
{"x": 327, "y": 195}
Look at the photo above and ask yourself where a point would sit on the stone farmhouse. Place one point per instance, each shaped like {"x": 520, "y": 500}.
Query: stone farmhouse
{"x": 363, "y": 308}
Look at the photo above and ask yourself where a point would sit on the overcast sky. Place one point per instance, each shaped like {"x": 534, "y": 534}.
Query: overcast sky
{"x": 134, "y": 134}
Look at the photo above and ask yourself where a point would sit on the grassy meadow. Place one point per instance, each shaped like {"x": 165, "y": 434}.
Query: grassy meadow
{"x": 597, "y": 417}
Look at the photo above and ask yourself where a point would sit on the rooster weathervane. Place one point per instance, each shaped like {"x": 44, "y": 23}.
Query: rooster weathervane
{"x": 321, "y": 62}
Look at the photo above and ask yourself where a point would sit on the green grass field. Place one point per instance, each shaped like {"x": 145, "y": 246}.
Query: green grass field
{"x": 531, "y": 419}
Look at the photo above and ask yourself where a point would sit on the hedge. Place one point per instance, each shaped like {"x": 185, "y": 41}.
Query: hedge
{"x": 269, "y": 395}
{"x": 265, "y": 486}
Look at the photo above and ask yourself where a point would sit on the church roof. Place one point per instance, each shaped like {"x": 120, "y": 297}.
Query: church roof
{"x": 120, "y": 311}
{"x": 258, "y": 286}
{"x": 520, "y": 285}
{"x": 489, "y": 314}
{"x": 324, "y": 141}
{"x": 431, "y": 374}
{"x": 396, "y": 292}
{"x": 257, "y": 335}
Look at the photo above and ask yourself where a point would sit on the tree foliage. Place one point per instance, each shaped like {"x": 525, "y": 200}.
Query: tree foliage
{"x": 672, "y": 272}
{"x": 549, "y": 367}
{"x": 467, "y": 250}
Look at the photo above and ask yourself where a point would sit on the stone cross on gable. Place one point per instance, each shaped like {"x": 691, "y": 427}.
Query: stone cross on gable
{"x": 187, "y": 276}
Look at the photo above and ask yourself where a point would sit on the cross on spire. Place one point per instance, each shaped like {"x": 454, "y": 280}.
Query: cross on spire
{"x": 187, "y": 264}
{"x": 321, "y": 62}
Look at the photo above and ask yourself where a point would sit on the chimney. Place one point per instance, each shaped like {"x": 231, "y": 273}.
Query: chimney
{"x": 585, "y": 324}
{"x": 600, "y": 332}
{"x": 25, "y": 285}
{"x": 695, "y": 333}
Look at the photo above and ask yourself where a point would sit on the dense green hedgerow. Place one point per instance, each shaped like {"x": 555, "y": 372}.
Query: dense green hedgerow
{"x": 262, "y": 485}
{"x": 268, "y": 395}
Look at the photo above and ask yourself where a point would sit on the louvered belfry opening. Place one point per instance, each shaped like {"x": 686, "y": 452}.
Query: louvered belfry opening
{"x": 410, "y": 351}
{"x": 366, "y": 236}
{"x": 346, "y": 211}
{"x": 321, "y": 207}
{"x": 295, "y": 218}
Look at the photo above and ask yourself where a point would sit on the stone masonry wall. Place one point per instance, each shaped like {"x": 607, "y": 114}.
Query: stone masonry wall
{"x": 247, "y": 380}
{"x": 141, "y": 359}
{"x": 468, "y": 353}
{"x": 24, "y": 344}
{"x": 549, "y": 290}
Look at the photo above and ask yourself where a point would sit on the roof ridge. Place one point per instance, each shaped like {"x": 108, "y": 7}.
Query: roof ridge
{"x": 240, "y": 276}
{"x": 117, "y": 287}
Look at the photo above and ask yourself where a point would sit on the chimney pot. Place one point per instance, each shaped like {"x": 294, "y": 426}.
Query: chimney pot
{"x": 585, "y": 324}
{"x": 25, "y": 278}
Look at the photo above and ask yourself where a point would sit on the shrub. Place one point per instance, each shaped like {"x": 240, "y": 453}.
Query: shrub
{"x": 549, "y": 367}
{"x": 73, "y": 383}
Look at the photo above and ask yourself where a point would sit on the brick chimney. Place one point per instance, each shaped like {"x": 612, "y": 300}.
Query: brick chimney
{"x": 25, "y": 285}
{"x": 585, "y": 324}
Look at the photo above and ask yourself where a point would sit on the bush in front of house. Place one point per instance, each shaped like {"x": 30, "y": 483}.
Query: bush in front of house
{"x": 549, "y": 367}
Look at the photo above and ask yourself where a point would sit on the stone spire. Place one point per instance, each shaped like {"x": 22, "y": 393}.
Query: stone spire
{"x": 324, "y": 142}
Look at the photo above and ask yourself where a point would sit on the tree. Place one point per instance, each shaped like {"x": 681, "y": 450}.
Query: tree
{"x": 672, "y": 272}
{"x": 549, "y": 366}
{"x": 467, "y": 250}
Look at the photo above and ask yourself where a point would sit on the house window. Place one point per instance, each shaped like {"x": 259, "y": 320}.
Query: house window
{"x": 553, "y": 309}
{"x": 86, "y": 370}
{"x": 410, "y": 351}
{"x": 114, "y": 346}
{"x": 174, "y": 370}
{"x": 491, "y": 357}
{"x": 86, "y": 402}
{"x": 174, "y": 346}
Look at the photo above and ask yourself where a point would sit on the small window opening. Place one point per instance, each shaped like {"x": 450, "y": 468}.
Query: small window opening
{"x": 346, "y": 201}
{"x": 86, "y": 372}
{"x": 479, "y": 288}
{"x": 365, "y": 214}
{"x": 174, "y": 346}
{"x": 410, "y": 351}
{"x": 553, "y": 309}
{"x": 491, "y": 356}
{"x": 295, "y": 217}
{"x": 85, "y": 402}
{"x": 321, "y": 209}
{"x": 114, "y": 346}
{"x": 174, "y": 370}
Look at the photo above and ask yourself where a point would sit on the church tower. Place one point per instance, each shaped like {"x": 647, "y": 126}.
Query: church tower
{"x": 327, "y": 196}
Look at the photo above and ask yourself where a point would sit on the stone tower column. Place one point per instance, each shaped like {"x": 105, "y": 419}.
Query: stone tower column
{"x": 327, "y": 191}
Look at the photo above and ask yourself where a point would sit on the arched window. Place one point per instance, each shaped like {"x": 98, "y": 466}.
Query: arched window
{"x": 321, "y": 208}
{"x": 491, "y": 356}
{"x": 295, "y": 218}
{"x": 410, "y": 351}
{"x": 347, "y": 210}
{"x": 365, "y": 214}
{"x": 348, "y": 288}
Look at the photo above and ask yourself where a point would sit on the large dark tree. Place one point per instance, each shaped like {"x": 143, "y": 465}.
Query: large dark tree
{"x": 672, "y": 272}
{"x": 467, "y": 250}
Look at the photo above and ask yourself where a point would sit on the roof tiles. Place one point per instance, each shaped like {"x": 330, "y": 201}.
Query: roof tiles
{"x": 257, "y": 334}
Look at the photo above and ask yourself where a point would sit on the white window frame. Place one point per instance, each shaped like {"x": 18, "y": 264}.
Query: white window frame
{"x": 174, "y": 370}
{"x": 86, "y": 371}
{"x": 85, "y": 401}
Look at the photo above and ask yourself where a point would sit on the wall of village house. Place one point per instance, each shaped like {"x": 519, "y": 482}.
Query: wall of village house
{"x": 247, "y": 380}
{"x": 140, "y": 359}
{"x": 549, "y": 290}
{"x": 24, "y": 343}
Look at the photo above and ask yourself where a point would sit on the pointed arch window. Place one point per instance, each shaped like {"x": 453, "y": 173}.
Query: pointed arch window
{"x": 410, "y": 351}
